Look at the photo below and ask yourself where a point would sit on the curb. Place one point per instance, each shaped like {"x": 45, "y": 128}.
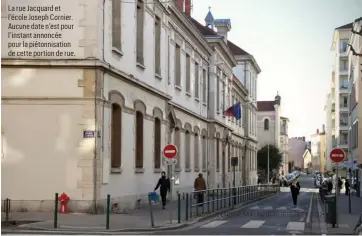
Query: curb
{"x": 156, "y": 228}
{"x": 322, "y": 222}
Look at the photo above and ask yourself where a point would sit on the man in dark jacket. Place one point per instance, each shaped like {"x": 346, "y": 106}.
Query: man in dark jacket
{"x": 164, "y": 184}
{"x": 200, "y": 185}
{"x": 294, "y": 189}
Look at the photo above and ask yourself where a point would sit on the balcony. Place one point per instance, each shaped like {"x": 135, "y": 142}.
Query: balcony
{"x": 343, "y": 143}
{"x": 343, "y": 124}
{"x": 343, "y": 107}
{"x": 343, "y": 89}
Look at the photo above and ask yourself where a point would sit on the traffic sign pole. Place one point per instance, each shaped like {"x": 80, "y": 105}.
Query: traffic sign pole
{"x": 170, "y": 153}
{"x": 337, "y": 155}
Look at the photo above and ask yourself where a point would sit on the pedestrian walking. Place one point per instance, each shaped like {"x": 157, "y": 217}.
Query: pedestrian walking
{"x": 294, "y": 189}
{"x": 164, "y": 185}
{"x": 340, "y": 184}
{"x": 347, "y": 187}
{"x": 200, "y": 185}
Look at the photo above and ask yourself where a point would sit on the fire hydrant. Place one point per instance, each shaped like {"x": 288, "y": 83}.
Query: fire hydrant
{"x": 63, "y": 199}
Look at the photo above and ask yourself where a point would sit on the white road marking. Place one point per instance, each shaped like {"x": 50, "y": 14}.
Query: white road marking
{"x": 310, "y": 208}
{"x": 298, "y": 226}
{"x": 214, "y": 224}
{"x": 253, "y": 224}
{"x": 268, "y": 208}
{"x": 254, "y": 208}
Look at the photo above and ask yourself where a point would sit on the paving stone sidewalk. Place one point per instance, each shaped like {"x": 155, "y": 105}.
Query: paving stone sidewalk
{"x": 346, "y": 221}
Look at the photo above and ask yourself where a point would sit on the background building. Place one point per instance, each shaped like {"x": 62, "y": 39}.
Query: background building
{"x": 307, "y": 160}
{"x": 318, "y": 151}
{"x": 329, "y": 111}
{"x": 284, "y": 143}
{"x": 339, "y": 93}
{"x": 297, "y": 147}
{"x": 270, "y": 124}
{"x": 355, "y": 109}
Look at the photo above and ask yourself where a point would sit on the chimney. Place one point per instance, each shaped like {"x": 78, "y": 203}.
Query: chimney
{"x": 184, "y": 5}
{"x": 317, "y": 131}
{"x": 323, "y": 128}
{"x": 223, "y": 26}
{"x": 188, "y": 7}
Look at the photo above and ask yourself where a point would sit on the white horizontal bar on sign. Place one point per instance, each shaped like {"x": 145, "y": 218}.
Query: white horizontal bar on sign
{"x": 170, "y": 151}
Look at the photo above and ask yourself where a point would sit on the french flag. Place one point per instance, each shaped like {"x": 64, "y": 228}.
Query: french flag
{"x": 234, "y": 111}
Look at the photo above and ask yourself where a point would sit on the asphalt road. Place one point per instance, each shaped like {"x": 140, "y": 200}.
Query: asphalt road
{"x": 272, "y": 216}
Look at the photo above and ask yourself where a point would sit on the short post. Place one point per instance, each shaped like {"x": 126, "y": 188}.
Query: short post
{"x": 179, "y": 208}
{"x": 56, "y": 211}
{"x": 213, "y": 200}
{"x": 150, "y": 210}
{"x": 108, "y": 208}
{"x": 187, "y": 207}
{"x": 7, "y": 209}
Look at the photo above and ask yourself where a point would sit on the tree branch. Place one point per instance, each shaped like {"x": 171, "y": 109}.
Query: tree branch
{"x": 354, "y": 52}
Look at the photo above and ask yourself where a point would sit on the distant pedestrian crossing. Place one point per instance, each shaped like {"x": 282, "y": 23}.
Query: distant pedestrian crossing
{"x": 258, "y": 224}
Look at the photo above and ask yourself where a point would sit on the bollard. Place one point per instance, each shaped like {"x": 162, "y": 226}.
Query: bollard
{"x": 150, "y": 209}
{"x": 108, "y": 210}
{"x": 7, "y": 209}
{"x": 187, "y": 207}
{"x": 56, "y": 210}
{"x": 179, "y": 208}
{"x": 213, "y": 200}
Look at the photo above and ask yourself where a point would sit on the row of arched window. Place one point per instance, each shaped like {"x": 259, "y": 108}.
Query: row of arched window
{"x": 190, "y": 136}
{"x": 187, "y": 148}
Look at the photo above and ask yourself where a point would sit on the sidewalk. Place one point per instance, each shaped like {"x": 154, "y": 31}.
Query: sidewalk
{"x": 346, "y": 221}
{"x": 135, "y": 220}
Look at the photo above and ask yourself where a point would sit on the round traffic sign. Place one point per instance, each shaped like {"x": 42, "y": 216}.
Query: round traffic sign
{"x": 337, "y": 155}
{"x": 170, "y": 151}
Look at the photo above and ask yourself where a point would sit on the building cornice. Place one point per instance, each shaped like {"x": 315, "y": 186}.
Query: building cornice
{"x": 220, "y": 42}
{"x": 251, "y": 59}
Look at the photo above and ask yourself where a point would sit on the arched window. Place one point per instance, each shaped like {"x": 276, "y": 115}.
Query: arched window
{"x": 266, "y": 124}
{"x": 196, "y": 152}
{"x": 217, "y": 154}
{"x": 187, "y": 150}
{"x": 157, "y": 144}
{"x": 139, "y": 139}
{"x": 204, "y": 153}
{"x": 177, "y": 143}
{"x": 116, "y": 136}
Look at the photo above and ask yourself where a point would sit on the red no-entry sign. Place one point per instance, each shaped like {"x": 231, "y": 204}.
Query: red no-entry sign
{"x": 337, "y": 155}
{"x": 170, "y": 151}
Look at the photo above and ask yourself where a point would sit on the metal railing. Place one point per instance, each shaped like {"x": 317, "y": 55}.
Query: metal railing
{"x": 212, "y": 201}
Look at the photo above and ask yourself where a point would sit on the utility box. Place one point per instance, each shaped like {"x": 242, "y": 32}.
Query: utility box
{"x": 331, "y": 209}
